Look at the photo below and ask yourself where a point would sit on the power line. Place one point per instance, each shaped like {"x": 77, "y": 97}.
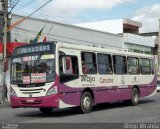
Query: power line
{"x": 24, "y": 18}
{"x": 54, "y": 18}
{"x": 134, "y": 6}
{"x": 14, "y": 6}
{"x": 63, "y": 19}
{"x": 24, "y": 6}
{"x": 59, "y": 18}
{"x": 39, "y": 8}
{"x": 66, "y": 19}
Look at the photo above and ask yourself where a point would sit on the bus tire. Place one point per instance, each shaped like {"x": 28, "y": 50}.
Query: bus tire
{"x": 46, "y": 110}
{"x": 86, "y": 102}
{"x": 135, "y": 97}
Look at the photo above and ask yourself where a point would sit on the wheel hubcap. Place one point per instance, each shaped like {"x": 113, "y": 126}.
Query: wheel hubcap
{"x": 86, "y": 102}
{"x": 136, "y": 97}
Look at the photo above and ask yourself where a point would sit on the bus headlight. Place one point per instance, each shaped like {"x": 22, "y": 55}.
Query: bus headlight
{"x": 13, "y": 93}
{"x": 52, "y": 91}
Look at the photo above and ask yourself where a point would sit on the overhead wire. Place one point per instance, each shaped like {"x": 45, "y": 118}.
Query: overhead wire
{"x": 51, "y": 35}
{"x": 140, "y": 9}
{"x": 23, "y": 6}
{"x": 30, "y": 9}
{"x": 14, "y": 6}
{"x": 66, "y": 19}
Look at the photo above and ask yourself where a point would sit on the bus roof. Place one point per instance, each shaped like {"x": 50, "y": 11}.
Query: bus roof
{"x": 90, "y": 48}
{"x": 102, "y": 50}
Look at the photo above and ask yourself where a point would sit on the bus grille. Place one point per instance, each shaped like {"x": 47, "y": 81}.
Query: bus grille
{"x": 31, "y": 91}
{"x": 31, "y": 85}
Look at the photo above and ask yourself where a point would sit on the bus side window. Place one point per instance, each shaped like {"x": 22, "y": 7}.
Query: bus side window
{"x": 120, "y": 64}
{"x": 88, "y": 63}
{"x": 145, "y": 66}
{"x": 104, "y": 63}
{"x": 60, "y": 65}
{"x": 68, "y": 67}
{"x": 152, "y": 66}
{"x": 133, "y": 65}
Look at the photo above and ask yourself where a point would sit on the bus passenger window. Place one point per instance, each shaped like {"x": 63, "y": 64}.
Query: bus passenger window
{"x": 88, "y": 63}
{"x": 75, "y": 69}
{"x": 69, "y": 65}
{"x": 104, "y": 64}
{"x": 60, "y": 66}
{"x": 133, "y": 65}
{"x": 145, "y": 66}
{"x": 152, "y": 66}
{"x": 84, "y": 68}
{"x": 120, "y": 64}
{"x": 68, "y": 68}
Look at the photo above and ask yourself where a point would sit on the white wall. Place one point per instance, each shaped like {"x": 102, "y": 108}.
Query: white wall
{"x": 62, "y": 32}
{"x": 111, "y": 26}
{"x": 137, "y": 47}
{"x": 138, "y": 40}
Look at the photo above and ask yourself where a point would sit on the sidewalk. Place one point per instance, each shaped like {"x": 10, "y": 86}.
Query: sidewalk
{"x": 5, "y": 105}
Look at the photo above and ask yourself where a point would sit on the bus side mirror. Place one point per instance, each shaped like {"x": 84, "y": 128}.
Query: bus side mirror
{"x": 5, "y": 66}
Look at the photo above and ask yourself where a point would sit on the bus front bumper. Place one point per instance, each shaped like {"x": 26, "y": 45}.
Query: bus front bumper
{"x": 51, "y": 101}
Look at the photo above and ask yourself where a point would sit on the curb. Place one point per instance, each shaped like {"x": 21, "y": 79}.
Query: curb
{"x": 5, "y": 105}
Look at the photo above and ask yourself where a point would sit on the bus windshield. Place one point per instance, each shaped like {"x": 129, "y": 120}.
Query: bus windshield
{"x": 39, "y": 68}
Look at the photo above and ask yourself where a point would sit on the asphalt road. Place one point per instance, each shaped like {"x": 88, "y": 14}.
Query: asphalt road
{"x": 148, "y": 111}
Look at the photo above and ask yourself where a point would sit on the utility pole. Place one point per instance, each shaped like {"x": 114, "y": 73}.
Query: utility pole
{"x": 5, "y": 13}
{"x": 158, "y": 72}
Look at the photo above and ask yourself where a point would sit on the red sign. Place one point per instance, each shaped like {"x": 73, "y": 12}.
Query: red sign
{"x": 38, "y": 77}
{"x": 26, "y": 79}
{"x": 27, "y": 58}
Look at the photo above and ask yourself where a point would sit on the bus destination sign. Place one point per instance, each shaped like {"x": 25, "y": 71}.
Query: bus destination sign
{"x": 34, "y": 48}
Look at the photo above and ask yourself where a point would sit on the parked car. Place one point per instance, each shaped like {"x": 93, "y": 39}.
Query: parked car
{"x": 158, "y": 85}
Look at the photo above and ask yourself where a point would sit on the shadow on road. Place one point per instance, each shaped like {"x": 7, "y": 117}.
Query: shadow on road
{"x": 146, "y": 101}
{"x": 76, "y": 111}
{"x": 56, "y": 113}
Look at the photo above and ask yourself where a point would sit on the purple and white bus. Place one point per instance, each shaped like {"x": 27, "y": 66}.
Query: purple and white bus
{"x": 60, "y": 75}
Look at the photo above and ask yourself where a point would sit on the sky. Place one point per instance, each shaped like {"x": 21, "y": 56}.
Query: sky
{"x": 81, "y": 11}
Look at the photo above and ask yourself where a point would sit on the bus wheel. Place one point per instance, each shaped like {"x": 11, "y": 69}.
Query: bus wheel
{"x": 86, "y": 102}
{"x": 135, "y": 97}
{"x": 46, "y": 110}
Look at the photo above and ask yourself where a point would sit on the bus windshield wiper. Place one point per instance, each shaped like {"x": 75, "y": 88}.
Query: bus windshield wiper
{"x": 40, "y": 55}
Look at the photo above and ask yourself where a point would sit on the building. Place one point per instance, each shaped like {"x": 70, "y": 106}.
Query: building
{"x": 129, "y": 29}
{"x": 27, "y": 31}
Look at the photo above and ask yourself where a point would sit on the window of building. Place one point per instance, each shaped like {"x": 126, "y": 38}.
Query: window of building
{"x": 136, "y": 51}
{"x": 145, "y": 66}
{"x": 119, "y": 63}
{"x": 104, "y": 64}
{"x": 147, "y": 52}
{"x": 89, "y": 63}
{"x": 133, "y": 65}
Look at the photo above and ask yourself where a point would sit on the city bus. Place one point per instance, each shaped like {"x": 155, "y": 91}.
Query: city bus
{"x": 62, "y": 75}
